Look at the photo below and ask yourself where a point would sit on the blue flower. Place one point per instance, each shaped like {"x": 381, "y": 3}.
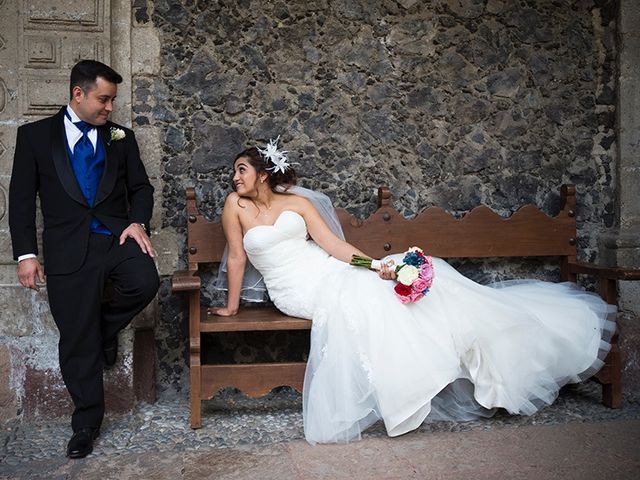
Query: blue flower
{"x": 412, "y": 258}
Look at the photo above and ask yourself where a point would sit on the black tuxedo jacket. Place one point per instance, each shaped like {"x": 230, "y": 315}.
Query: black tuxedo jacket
{"x": 42, "y": 167}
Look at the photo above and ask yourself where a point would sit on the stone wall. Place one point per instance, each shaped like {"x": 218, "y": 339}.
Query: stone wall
{"x": 451, "y": 103}
{"x": 621, "y": 246}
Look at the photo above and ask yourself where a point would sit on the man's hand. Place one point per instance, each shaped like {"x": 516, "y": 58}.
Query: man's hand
{"x": 29, "y": 272}
{"x": 136, "y": 232}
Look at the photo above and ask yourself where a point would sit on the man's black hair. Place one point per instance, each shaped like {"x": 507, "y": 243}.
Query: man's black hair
{"x": 85, "y": 73}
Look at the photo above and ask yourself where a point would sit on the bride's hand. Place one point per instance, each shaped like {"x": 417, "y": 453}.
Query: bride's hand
{"x": 224, "y": 311}
{"x": 388, "y": 270}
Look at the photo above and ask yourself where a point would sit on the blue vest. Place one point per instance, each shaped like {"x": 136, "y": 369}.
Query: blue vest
{"x": 88, "y": 177}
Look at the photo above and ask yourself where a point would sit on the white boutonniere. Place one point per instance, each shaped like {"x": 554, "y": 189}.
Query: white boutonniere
{"x": 117, "y": 134}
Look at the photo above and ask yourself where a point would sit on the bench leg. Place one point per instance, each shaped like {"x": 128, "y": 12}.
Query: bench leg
{"x": 612, "y": 392}
{"x": 195, "y": 390}
{"x": 612, "y": 389}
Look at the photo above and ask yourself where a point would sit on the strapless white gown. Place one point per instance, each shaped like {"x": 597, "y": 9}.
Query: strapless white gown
{"x": 461, "y": 351}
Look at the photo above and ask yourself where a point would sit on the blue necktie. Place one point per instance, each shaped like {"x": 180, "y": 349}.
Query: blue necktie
{"x": 83, "y": 149}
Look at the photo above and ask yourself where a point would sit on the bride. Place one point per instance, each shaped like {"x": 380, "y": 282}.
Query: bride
{"x": 461, "y": 352}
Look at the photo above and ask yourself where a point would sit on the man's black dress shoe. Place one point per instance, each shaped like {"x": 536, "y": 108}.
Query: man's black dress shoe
{"x": 110, "y": 352}
{"x": 81, "y": 443}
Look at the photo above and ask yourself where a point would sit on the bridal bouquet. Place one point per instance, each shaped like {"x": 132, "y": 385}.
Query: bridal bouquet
{"x": 415, "y": 274}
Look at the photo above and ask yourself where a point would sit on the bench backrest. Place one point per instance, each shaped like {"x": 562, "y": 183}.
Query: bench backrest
{"x": 480, "y": 233}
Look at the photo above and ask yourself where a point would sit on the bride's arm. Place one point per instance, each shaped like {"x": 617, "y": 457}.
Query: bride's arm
{"x": 324, "y": 237}
{"x": 236, "y": 259}
{"x": 333, "y": 245}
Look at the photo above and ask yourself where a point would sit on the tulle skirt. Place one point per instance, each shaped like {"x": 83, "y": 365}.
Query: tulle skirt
{"x": 461, "y": 352}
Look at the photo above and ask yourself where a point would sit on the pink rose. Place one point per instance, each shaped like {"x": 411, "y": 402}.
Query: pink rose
{"x": 403, "y": 300}
{"x": 415, "y": 296}
{"x": 419, "y": 285}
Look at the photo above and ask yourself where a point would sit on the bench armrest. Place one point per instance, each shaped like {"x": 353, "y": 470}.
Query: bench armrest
{"x": 612, "y": 273}
{"x": 185, "y": 281}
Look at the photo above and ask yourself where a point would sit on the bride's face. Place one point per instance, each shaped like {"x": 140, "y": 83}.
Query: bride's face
{"x": 245, "y": 177}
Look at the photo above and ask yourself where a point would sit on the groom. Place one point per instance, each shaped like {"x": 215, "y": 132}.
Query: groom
{"x": 96, "y": 203}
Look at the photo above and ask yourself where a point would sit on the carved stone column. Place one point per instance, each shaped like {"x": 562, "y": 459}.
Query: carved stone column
{"x": 40, "y": 40}
{"x": 621, "y": 247}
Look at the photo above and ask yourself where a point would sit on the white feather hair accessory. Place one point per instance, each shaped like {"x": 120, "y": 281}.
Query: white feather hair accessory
{"x": 277, "y": 157}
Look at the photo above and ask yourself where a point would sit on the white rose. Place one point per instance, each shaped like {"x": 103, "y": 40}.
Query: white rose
{"x": 408, "y": 274}
{"x": 416, "y": 249}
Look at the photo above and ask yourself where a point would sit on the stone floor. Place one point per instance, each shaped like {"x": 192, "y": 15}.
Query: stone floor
{"x": 246, "y": 438}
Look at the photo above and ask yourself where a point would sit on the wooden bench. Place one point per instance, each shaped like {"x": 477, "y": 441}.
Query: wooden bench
{"x": 479, "y": 234}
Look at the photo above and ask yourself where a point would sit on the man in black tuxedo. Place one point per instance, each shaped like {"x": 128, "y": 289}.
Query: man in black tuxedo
{"x": 96, "y": 202}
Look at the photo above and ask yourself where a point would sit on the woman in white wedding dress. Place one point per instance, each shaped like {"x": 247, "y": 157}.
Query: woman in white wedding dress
{"x": 461, "y": 352}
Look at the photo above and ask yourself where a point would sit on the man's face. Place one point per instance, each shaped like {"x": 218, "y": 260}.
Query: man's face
{"x": 94, "y": 105}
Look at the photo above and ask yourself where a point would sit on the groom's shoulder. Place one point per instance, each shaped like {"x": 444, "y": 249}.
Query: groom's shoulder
{"x": 43, "y": 123}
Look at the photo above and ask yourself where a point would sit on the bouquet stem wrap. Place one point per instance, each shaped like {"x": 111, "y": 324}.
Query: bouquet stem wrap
{"x": 358, "y": 261}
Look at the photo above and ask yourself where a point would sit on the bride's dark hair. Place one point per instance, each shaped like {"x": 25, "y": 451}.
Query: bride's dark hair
{"x": 262, "y": 164}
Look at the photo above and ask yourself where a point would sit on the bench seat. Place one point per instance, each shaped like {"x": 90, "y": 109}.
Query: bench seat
{"x": 251, "y": 320}
{"x": 481, "y": 233}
